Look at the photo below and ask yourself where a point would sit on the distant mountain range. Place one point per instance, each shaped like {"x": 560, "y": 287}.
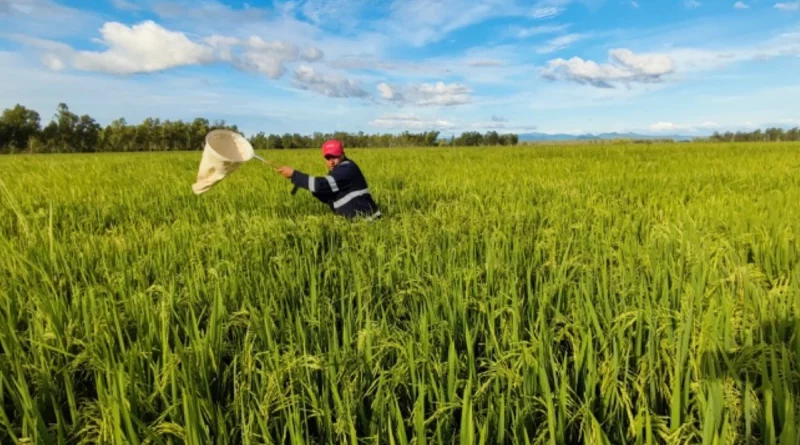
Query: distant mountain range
{"x": 601, "y": 136}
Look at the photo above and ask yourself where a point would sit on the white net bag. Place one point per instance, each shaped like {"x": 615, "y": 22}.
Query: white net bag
{"x": 224, "y": 152}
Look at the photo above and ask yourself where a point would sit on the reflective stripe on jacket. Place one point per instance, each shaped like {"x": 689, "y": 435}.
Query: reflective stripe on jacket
{"x": 344, "y": 190}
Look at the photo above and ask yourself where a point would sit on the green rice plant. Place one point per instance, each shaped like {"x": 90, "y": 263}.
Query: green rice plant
{"x": 643, "y": 294}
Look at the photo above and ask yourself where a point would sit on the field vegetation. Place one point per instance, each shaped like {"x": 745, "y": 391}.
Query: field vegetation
{"x": 642, "y": 294}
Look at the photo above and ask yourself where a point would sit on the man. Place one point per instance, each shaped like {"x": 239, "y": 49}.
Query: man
{"x": 344, "y": 189}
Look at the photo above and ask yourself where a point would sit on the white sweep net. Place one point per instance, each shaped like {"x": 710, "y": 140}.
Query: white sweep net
{"x": 224, "y": 152}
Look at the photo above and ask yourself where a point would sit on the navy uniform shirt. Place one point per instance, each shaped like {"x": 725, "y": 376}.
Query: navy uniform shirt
{"x": 344, "y": 190}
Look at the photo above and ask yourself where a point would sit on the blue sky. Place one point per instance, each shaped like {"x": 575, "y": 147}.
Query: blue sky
{"x": 658, "y": 67}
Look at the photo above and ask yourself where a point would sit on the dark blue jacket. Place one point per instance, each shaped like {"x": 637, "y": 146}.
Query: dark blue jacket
{"x": 344, "y": 190}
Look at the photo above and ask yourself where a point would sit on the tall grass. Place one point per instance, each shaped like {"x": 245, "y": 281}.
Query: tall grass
{"x": 602, "y": 295}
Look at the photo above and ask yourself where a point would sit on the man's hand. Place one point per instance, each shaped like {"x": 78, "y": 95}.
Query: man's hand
{"x": 286, "y": 172}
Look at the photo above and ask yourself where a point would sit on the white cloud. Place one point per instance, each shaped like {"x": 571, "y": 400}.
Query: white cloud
{"x": 559, "y": 43}
{"x": 426, "y": 94}
{"x": 306, "y": 78}
{"x": 624, "y": 67}
{"x": 439, "y": 94}
{"x": 663, "y": 127}
{"x": 646, "y": 64}
{"x": 142, "y": 48}
{"x": 223, "y": 46}
{"x": 312, "y": 54}
{"x": 389, "y": 93}
{"x": 547, "y": 9}
{"x": 148, "y": 47}
{"x": 692, "y": 4}
{"x": 266, "y": 57}
{"x": 169, "y": 96}
{"x": 410, "y": 122}
{"x": 627, "y": 67}
{"x": 53, "y": 62}
{"x": 789, "y": 7}
{"x": 635, "y": 4}
{"x": 285, "y": 21}
{"x": 268, "y": 64}
{"x": 546, "y": 13}
{"x": 741, "y": 5}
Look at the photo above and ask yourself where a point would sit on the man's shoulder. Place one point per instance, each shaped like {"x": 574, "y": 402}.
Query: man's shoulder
{"x": 347, "y": 164}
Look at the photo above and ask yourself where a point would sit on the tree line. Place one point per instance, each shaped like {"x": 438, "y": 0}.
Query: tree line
{"x": 771, "y": 134}
{"x": 21, "y": 131}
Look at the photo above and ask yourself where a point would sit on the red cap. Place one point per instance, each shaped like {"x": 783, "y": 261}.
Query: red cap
{"x": 332, "y": 148}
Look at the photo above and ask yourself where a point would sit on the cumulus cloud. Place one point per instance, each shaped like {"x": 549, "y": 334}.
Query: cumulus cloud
{"x": 306, "y": 78}
{"x": 439, "y": 94}
{"x": 223, "y": 46}
{"x": 312, "y": 54}
{"x": 410, "y": 122}
{"x": 266, "y": 57}
{"x": 663, "y": 127}
{"x": 148, "y": 47}
{"x": 390, "y": 93}
{"x": 426, "y": 94}
{"x": 624, "y": 67}
{"x": 741, "y": 5}
{"x": 254, "y": 54}
{"x": 142, "y": 48}
{"x": 267, "y": 64}
{"x": 789, "y": 7}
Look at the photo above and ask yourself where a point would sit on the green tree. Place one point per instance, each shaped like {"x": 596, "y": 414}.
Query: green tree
{"x": 17, "y": 126}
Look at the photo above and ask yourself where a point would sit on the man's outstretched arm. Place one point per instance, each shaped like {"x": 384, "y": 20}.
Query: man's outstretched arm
{"x": 326, "y": 185}
{"x": 322, "y": 188}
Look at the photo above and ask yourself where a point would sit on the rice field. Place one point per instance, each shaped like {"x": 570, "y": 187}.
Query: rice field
{"x": 639, "y": 294}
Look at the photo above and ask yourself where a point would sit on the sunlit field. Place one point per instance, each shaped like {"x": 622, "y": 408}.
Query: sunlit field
{"x": 641, "y": 294}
